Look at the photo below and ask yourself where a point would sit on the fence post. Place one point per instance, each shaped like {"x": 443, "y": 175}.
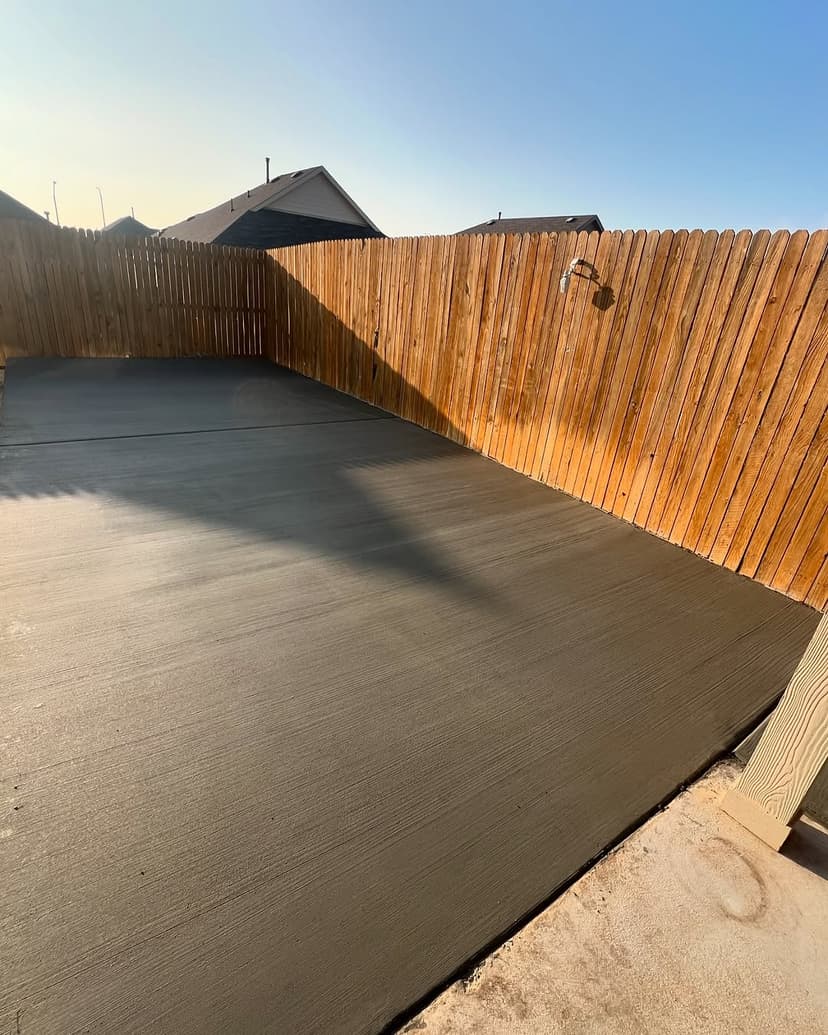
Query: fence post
{"x": 792, "y": 750}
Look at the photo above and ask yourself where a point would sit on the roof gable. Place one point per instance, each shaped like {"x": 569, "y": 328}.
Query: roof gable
{"x": 207, "y": 226}
{"x": 320, "y": 197}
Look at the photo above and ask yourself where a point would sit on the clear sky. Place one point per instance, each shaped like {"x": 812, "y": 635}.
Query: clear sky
{"x": 432, "y": 115}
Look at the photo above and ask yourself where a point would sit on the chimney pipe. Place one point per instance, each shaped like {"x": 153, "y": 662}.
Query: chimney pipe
{"x": 499, "y": 215}
{"x": 267, "y": 170}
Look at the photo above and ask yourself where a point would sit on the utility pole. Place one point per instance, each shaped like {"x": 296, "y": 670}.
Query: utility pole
{"x": 54, "y": 199}
{"x": 103, "y": 216}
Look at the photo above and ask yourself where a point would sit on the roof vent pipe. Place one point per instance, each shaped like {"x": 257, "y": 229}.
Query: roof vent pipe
{"x": 267, "y": 170}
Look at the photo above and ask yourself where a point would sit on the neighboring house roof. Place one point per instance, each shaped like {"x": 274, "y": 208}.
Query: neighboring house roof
{"x": 267, "y": 229}
{"x": 128, "y": 226}
{"x": 291, "y": 208}
{"x": 11, "y": 208}
{"x": 536, "y": 225}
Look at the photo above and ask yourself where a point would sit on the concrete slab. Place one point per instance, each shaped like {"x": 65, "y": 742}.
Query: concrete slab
{"x": 691, "y": 925}
{"x": 300, "y": 717}
{"x": 62, "y": 400}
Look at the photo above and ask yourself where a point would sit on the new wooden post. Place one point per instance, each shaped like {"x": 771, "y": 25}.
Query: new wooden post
{"x": 792, "y": 750}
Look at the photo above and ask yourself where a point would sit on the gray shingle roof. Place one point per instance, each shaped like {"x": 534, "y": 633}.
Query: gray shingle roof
{"x": 269, "y": 229}
{"x": 233, "y": 222}
{"x": 536, "y": 225}
{"x": 205, "y": 227}
{"x": 128, "y": 226}
{"x": 11, "y": 208}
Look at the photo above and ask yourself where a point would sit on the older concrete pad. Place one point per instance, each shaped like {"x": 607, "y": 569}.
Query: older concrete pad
{"x": 692, "y": 925}
{"x": 298, "y": 719}
{"x": 59, "y": 399}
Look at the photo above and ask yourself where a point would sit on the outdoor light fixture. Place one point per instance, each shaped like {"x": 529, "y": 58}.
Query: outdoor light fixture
{"x": 565, "y": 279}
{"x": 588, "y": 272}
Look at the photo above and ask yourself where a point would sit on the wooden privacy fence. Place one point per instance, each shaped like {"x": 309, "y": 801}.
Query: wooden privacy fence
{"x": 75, "y": 293}
{"x": 680, "y": 383}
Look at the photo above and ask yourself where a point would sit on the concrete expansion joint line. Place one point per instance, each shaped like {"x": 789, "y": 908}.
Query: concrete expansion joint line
{"x": 191, "y": 431}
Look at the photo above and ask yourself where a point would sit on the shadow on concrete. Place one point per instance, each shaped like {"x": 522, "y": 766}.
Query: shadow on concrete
{"x": 242, "y": 444}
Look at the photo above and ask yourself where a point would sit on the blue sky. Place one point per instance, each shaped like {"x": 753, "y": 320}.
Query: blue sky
{"x": 432, "y": 115}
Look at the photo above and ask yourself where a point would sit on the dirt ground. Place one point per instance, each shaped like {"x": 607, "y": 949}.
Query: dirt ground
{"x": 691, "y": 925}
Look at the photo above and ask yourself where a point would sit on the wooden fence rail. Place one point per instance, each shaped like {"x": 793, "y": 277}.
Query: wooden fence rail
{"x": 75, "y": 293}
{"x": 679, "y": 383}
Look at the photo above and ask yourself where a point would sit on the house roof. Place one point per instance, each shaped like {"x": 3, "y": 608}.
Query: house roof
{"x": 536, "y": 225}
{"x": 208, "y": 227}
{"x": 11, "y": 208}
{"x": 271, "y": 229}
{"x": 128, "y": 226}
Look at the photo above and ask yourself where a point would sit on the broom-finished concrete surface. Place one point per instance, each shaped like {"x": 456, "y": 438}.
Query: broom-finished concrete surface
{"x": 304, "y": 706}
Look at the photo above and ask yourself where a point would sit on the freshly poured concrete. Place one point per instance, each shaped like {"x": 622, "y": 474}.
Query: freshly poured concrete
{"x": 300, "y": 716}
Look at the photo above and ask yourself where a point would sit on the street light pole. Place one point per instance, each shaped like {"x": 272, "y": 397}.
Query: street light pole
{"x": 103, "y": 216}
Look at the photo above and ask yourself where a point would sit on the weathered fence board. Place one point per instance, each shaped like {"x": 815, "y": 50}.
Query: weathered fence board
{"x": 75, "y": 293}
{"x": 680, "y": 383}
